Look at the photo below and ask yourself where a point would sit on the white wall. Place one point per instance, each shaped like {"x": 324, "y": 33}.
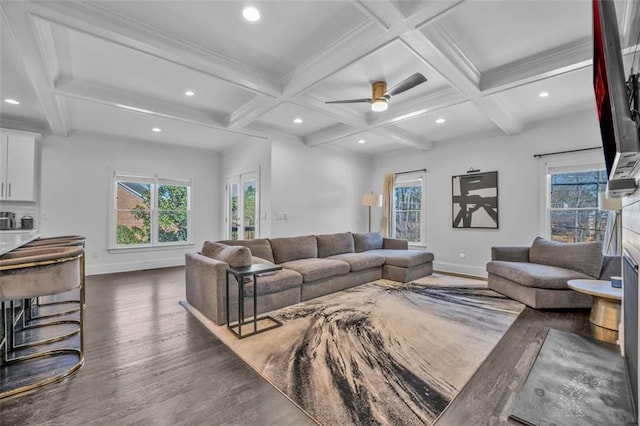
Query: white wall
{"x": 521, "y": 186}
{"x": 76, "y": 185}
{"x": 254, "y": 155}
{"x": 320, "y": 189}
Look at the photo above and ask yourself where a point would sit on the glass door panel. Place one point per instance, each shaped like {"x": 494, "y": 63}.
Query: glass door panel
{"x": 242, "y": 217}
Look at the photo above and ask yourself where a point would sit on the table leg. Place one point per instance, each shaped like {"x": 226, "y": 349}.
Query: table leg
{"x": 255, "y": 311}
{"x": 228, "y": 325}
{"x": 240, "y": 280}
{"x": 605, "y": 313}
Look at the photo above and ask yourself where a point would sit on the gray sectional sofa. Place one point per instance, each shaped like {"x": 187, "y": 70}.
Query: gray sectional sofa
{"x": 313, "y": 265}
{"x": 537, "y": 276}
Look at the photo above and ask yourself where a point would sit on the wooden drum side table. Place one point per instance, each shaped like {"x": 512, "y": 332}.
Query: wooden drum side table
{"x": 607, "y": 301}
{"x": 240, "y": 274}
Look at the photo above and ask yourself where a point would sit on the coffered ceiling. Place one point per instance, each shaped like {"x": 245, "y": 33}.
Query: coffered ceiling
{"x": 122, "y": 68}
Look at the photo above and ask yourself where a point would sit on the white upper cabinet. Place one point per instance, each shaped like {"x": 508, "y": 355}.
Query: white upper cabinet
{"x": 17, "y": 165}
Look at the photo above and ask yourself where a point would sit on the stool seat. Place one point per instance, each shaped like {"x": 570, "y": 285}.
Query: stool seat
{"x": 39, "y": 272}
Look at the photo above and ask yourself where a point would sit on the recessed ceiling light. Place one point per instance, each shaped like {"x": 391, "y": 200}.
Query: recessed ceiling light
{"x": 297, "y": 120}
{"x": 440, "y": 120}
{"x": 361, "y": 141}
{"x": 12, "y": 101}
{"x": 157, "y": 129}
{"x": 189, "y": 93}
{"x": 543, "y": 94}
{"x": 251, "y": 14}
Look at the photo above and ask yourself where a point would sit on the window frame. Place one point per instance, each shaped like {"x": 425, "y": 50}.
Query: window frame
{"x": 406, "y": 178}
{"x": 552, "y": 170}
{"x": 155, "y": 181}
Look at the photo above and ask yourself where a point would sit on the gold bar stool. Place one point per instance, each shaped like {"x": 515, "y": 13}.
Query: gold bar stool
{"x": 34, "y": 273}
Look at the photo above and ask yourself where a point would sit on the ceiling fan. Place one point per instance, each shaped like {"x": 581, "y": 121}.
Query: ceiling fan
{"x": 380, "y": 96}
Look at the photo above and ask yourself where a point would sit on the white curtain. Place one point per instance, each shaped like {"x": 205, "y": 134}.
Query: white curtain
{"x": 387, "y": 204}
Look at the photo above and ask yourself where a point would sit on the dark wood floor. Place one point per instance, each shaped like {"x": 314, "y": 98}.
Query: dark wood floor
{"x": 148, "y": 361}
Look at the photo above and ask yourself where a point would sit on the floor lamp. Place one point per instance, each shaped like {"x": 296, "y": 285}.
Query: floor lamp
{"x": 370, "y": 200}
{"x": 614, "y": 205}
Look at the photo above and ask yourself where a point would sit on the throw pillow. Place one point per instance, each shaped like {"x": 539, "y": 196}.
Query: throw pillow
{"x": 368, "y": 241}
{"x": 580, "y": 257}
{"x": 236, "y": 257}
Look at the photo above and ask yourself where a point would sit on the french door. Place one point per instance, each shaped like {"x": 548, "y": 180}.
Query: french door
{"x": 242, "y": 217}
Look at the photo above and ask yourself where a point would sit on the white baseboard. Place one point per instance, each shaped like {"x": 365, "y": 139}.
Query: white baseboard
{"x": 456, "y": 268}
{"x": 110, "y": 268}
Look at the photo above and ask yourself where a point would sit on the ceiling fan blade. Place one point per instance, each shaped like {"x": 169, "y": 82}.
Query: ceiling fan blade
{"x": 349, "y": 101}
{"x": 406, "y": 84}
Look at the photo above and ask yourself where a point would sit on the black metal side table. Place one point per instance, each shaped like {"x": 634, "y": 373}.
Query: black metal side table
{"x": 240, "y": 274}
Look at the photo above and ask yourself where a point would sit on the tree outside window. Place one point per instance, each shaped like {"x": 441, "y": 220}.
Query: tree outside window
{"x": 574, "y": 214}
{"x": 408, "y": 196}
{"x": 150, "y": 212}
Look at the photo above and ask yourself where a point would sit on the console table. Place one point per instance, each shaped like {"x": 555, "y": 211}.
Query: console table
{"x": 240, "y": 274}
{"x": 606, "y": 307}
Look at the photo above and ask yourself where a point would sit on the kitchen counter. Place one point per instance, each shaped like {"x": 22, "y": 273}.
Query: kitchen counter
{"x": 10, "y": 240}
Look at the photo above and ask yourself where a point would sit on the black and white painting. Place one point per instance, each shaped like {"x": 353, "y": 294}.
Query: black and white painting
{"x": 475, "y": 200}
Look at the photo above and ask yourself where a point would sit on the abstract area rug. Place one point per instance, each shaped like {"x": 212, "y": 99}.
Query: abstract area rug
{"x": 380, "y": 353}
{"x": 575, "y": 380}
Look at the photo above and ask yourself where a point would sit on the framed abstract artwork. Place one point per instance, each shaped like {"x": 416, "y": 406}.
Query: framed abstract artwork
{"x": 475, "y": 200}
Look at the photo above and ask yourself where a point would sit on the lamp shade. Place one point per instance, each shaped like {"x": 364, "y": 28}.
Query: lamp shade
{"x": 609, "y": 204}
{"x": 371, "y": 200}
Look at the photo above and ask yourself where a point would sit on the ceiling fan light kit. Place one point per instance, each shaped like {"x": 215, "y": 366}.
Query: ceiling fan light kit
{"x": 379, "y": 105}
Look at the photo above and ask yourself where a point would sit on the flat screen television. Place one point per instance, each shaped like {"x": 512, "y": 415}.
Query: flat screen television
{"x": 619, "y": 131}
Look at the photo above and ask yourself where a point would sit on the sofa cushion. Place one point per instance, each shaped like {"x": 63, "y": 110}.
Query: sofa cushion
{"x": 581, "y": 257}
{"x": 294, "y": 248}
{"x": 359, "y": 261}
{"x": 330, "y": 244}
{"x": 235, "y": 256}
{"x": 404, "y": 258}
{"x": 534, "y": 274}
{"x": 274, "y": 283}
{"x": 316, "y": 269}
{"x": 255, "y": 260}
{"x": 260, "y": 247}
{"x": 368, "y": 241}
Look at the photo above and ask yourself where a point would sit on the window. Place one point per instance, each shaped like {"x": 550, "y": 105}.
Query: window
{"x": 573, "y": 206}
{"x": 150, "y": 211}
{"x": 409, "y": 208}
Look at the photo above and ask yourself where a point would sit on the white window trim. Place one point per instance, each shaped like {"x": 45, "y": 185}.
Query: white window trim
{"x": 154, "y": 180}
{"x": 588, "y": 160}
{"x": 406, "y": 178}
{"x": 555, "y": 169}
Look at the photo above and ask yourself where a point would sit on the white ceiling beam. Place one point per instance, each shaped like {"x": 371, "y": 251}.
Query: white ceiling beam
{"x": 403, "y": 137}
{"x": 361, "y": 42}
{"x": 99, "y": 21}
{"x": 550, "y": 63}
{"x": 112, "y": 97}
{"x": 330, "y": 134}
{"x": 250, "y": 111}
{"x": 351, "y": 48}
{"x": 435, "y": 100}
{"x": 443, "y": 62}
{"x": 32, "y": 49}
{"x": 272, "y": 132}
{"x": 450, "y": 49}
